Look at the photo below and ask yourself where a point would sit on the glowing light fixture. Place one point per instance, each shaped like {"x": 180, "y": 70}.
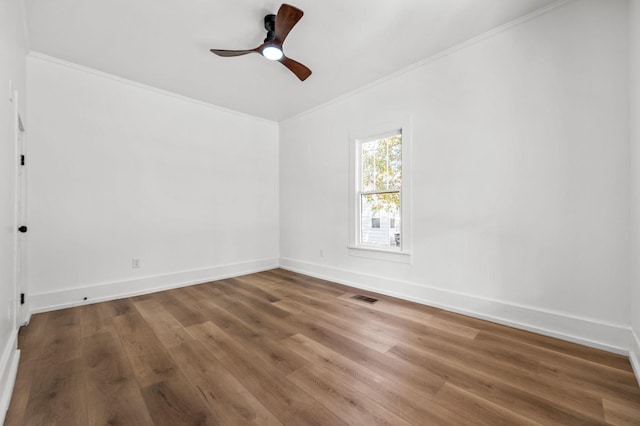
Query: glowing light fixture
{"x": 271, "y": 52}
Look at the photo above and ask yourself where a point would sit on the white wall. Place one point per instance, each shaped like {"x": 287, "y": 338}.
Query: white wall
{"x": 120, "y": 171}
{"x": 634, "y": 73}
{"x": 520, "y": 178}
{"x": 12, "y": 68}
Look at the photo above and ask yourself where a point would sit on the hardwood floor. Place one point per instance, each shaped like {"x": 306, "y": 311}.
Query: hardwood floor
{"x": 281, "y": 348}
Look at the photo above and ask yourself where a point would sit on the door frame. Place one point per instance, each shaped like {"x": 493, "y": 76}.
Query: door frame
{"x": 21, "y": 309}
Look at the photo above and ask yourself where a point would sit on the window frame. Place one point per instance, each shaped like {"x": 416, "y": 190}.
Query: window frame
{"x": 356, "y": 138}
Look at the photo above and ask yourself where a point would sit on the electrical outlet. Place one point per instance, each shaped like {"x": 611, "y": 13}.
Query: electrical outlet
{"x": 135, "y": 263}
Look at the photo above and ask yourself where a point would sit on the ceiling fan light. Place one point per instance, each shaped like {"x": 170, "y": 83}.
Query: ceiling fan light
{"x": 271, "y": 52}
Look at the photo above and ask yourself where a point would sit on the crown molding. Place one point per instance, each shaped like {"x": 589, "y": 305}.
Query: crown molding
{"x": 433, "y": 58}
{"x": 77, "y": 67}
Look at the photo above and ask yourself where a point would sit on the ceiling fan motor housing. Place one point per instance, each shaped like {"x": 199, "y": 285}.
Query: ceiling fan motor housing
{"x": 270, "y": 26}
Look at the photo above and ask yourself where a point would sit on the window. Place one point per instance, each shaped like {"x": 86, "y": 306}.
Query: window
{"x": 379, "y": 196}
{"x": 380, "y": 176}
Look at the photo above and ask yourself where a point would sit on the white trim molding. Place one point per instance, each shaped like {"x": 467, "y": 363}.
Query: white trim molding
{"x": 143, "y": 86}
{"x": 434, "y": 58}
{"x": 634, "y": 354}
{"x": 364, "y": 133}
{"x": 61, "y": 299}
{"x": 8, "y": 371}
{"x": 385, "y": 255}
{"x": 585, "y": 331}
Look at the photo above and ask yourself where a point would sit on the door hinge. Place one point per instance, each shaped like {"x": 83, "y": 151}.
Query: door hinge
{"x": 22, "y": 160}
{"x": 22, "y": 298}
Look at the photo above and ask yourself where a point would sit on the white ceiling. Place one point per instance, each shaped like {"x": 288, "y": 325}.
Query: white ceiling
{"x": 347, "y": 44}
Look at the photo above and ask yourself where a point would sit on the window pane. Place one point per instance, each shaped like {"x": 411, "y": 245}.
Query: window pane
{"x": 382, "y": 210}
{"x": 382, "y": 164}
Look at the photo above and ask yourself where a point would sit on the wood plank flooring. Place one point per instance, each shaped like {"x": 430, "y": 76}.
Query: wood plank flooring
{"x": 279, "y": 348}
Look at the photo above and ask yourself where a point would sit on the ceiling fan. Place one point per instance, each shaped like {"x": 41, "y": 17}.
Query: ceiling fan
{"x": 278, "y": 27}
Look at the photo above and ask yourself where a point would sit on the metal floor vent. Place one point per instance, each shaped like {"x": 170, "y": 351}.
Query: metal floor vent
{"x": 364, "y": 298}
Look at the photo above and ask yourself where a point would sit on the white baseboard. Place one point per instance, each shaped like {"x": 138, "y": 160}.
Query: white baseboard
{"x": 8, "y": 371}
{"x": 598, "y": 334}
{"x": 634, "y": 354}
{"x": 116, "y": 290}
{"x": 585, "y": 331}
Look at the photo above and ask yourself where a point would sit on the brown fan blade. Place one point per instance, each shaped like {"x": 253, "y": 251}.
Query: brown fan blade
{"x": 296, "y": 67}
{"x": 230, "y": 53}
{"x": 287, "y": 17}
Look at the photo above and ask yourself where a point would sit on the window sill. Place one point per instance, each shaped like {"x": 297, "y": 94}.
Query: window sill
{"x": 380, "y": 254}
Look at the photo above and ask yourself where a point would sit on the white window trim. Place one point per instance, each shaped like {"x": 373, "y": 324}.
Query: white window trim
{"x": 366, "y": 133}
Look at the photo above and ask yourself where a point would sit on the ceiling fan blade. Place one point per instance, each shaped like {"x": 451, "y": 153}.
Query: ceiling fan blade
{"x": 287, "y": 17}
{"x": 301, "y": 71}
{"x": 230, "y": 53}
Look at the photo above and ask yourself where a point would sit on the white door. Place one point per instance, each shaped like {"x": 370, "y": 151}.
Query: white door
{"x": 21, "y": 216}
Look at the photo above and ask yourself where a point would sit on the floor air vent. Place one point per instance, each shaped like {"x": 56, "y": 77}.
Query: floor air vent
{"x": 364, "y": 298}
